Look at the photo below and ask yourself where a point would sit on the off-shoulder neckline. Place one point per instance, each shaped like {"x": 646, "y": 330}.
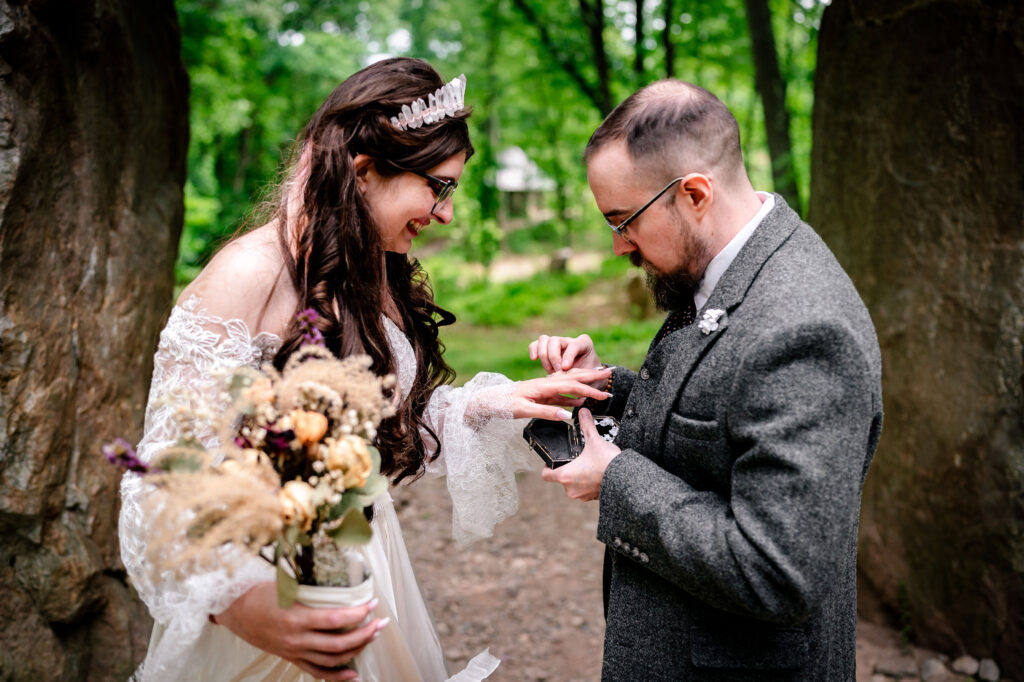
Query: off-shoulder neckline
{"x": 262, "y": 339}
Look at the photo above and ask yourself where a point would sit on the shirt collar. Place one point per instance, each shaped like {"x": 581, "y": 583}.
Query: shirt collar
{"x": 720, "y": 263}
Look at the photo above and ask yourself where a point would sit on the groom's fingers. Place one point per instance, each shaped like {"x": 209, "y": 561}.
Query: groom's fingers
{"x": 550, "y": 475}
{"x": 573, "y": 349}
{"x": 555, "y": 346}
{"x": 587, "y": 424}
{"x": 539, "y": 351}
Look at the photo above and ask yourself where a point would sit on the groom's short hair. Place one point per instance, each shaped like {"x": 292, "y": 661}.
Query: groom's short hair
{"x": 674, "y": 126}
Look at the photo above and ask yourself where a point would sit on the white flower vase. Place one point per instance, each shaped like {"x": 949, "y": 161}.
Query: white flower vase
{"x": 359, "y": 593}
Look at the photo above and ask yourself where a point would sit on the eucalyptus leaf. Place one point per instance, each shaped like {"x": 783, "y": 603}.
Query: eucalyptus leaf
{"x": 287, "y": 588}
{"x": 354, "y": 529}
{"x": 364, "y": 496}
{"x": 291, "y": 535}
{"x": 240, "y": 381}
{"x": 177, "y": 462}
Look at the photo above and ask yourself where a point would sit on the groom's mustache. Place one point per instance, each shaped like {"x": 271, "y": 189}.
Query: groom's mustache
{"x": 637, "y": 261}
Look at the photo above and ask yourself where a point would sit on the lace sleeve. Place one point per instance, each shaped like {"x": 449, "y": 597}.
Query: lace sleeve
{"x": 193, "y": 347}
{"x": 482, "y": 448}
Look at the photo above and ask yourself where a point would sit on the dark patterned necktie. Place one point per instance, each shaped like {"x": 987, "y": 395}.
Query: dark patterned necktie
{"x": 675, "y": 321}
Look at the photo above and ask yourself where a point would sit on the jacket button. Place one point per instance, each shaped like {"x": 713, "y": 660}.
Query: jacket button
{"x": 618, "y": 542}
{"x": 643, "y": 557}
{"x": 629, "y": 412}
{"x": 644, "y": 374}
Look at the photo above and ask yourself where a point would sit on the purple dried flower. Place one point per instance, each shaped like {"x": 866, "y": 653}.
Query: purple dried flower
{"x": 306, "y": 320}
{"x": 279, "y": 441}
{"x": 120, "y": 453}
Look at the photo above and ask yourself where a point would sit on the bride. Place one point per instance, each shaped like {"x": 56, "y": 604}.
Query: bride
{"x": 367, "y": 180}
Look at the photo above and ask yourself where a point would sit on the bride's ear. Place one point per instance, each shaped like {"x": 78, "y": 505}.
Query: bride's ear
{"x": 363, "y": 167}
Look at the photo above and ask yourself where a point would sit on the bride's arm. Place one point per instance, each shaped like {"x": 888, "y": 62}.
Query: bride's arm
{"x": 480, "y": 427}
{"x": 195, "y": 345}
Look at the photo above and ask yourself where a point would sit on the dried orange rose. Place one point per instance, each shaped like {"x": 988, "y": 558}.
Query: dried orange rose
{"x": 351, "y": 457}
{"x": 297, "y": 504}
{"x": 309, "y": 427}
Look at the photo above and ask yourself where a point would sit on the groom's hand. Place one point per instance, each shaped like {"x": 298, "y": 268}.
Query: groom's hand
{"x": 581, "y": 477}
{"x": 561, "y": 353}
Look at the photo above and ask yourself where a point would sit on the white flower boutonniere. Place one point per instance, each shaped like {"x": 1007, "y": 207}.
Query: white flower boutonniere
{"x": 711, "y": 320}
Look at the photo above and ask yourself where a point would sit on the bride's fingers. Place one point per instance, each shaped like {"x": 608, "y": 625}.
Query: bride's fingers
{"x": 562, "y": 401}
{"x": 321, "y": 673}
{"x": 573, "y": 388}
{"x": 334, "y": 644}
{"x": 333, "y": 619}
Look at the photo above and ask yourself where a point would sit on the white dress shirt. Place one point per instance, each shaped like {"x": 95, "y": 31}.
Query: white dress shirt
{"x": 720, "y": 263}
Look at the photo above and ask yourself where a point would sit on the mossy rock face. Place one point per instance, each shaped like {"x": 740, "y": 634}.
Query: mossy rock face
{"x": 93, "y": 142}
{"x": 918, "y": 186}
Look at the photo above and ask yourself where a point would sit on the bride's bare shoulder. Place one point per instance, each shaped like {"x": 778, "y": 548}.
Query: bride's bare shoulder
{"x": 247, "y": 280}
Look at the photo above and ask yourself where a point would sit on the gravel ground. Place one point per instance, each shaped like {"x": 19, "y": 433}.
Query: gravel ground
{"x": 532, "y": 593}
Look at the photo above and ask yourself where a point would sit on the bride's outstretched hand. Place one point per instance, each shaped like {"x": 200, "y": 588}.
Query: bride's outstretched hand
{"x": 547, "y": 397}
{"x": 308, "y": 637}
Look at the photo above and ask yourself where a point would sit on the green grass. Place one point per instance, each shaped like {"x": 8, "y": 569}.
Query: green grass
{"x": 497, "y": 321}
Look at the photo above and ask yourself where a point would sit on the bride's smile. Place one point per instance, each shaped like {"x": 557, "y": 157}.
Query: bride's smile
{"x": 404, "y": 205}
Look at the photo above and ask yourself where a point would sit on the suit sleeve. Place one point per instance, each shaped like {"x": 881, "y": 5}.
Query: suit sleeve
{"x": 799, "y": 414}
{"x": 622, "y": 384}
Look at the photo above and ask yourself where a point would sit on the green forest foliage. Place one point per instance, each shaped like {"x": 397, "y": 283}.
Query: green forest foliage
{"x": 536, "y": 73}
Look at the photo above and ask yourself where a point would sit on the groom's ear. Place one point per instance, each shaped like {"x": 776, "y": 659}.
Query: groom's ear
{"x": 697, "y": 192}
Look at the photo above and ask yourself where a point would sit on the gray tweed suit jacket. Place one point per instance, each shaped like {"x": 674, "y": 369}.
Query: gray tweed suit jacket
{"x": 731, "y": 514}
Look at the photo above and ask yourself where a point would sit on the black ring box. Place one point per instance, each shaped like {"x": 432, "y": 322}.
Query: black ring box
{"x": 559, "y": 442}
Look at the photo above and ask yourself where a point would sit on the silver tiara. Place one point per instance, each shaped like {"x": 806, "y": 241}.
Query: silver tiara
{"x": 445, "y": 101}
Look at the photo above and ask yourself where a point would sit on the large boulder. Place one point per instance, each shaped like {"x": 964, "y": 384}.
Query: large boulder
{"x": 918, "y": 186}
{"x": 93, "y": 140}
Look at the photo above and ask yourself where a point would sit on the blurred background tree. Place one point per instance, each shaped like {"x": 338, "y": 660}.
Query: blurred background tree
{"x": 541, "y": 77}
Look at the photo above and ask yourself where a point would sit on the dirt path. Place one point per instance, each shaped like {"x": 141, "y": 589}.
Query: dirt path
{"x": 532, "y": 593}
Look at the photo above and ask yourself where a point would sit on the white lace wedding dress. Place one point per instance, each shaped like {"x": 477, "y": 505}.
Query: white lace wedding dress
{"x": 482, "y": 449}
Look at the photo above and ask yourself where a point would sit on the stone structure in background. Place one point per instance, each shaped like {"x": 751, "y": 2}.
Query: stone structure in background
{"x": 93, "y": 139}
{"x": 918, "y": 186}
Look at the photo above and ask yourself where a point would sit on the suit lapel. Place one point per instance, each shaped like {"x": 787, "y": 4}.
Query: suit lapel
{"x": 687, "y": 346}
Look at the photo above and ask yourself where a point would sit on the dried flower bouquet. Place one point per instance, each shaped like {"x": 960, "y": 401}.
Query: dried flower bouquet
{"x": 291, "y": 477}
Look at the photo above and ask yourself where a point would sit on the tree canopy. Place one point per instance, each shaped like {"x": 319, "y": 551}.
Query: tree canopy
{"x": 541, "y": 76}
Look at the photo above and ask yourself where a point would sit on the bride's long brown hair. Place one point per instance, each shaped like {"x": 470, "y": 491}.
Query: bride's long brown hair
{"x": 335, "y": 253}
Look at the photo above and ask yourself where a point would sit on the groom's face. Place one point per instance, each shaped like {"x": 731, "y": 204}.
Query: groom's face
{"x": 665, "y": 240}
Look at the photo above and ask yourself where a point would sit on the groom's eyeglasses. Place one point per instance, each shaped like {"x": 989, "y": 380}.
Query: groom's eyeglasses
{"x": 620, "y": 229}
{"x": 442, "y": 189}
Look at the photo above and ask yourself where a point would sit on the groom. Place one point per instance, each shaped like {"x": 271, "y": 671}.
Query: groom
{"x": 730, "y": 498}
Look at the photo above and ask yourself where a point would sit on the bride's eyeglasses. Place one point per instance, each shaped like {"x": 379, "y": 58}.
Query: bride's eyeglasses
{"x": 442, "y": 189}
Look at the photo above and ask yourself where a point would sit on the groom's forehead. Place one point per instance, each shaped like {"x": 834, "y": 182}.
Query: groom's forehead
{"x": 613, "y": 176}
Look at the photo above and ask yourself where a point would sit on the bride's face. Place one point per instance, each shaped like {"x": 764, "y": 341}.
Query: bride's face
{"x": 401, "y": 204}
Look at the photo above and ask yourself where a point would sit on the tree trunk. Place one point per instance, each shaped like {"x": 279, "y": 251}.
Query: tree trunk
{"x": 666, "y": 40}
{"x": 917, "y": 175}
{"x": 600, "y": 94}
{"x": 772, "y": 89}
{"x": 592, "y": 13}
{"x": 638, "y": 55}
{"x": 93, "y": 137}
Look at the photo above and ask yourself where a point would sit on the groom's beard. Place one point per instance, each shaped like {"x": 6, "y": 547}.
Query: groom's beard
{"x": 670, "y": 289}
